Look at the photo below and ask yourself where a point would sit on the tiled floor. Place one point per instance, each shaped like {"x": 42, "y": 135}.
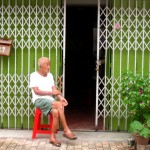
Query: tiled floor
{"x": 21, "y": 140}
{"x": 43, "y": 144}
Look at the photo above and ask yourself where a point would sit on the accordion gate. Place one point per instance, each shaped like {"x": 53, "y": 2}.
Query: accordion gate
{"x": 37, "y": 29}
{"x": 123, "y": 32}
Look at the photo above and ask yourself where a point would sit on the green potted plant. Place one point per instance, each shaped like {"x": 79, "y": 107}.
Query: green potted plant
{"x": 135, "y": 93}
{"x": 140, "y": 131}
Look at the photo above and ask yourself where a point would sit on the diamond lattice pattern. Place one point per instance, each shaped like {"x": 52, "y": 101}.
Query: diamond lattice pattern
{"x": 126, "y": 48}
{"x": 37, "y": 29}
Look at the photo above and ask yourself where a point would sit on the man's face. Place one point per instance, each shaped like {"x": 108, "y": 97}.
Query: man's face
{"x": 45, "y": 67}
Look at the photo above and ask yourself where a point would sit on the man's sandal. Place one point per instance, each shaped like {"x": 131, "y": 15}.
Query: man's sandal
{"x": 55, "y": 143}
{"x": 70, "y": 136}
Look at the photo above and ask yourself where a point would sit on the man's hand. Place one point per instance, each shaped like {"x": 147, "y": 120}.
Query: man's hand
{"x": 55, "y": 91}
{"x": 63, "y": 100}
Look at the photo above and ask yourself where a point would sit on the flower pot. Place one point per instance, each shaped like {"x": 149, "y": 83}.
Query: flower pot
{"x": 141, "y": 140}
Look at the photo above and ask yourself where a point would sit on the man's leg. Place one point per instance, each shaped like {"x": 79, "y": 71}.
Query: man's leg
{"x": 55, "y": 115}
{"x": 60, "y": 108}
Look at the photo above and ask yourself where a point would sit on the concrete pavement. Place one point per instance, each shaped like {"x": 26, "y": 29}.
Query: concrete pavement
{"x": 21, "y": 140}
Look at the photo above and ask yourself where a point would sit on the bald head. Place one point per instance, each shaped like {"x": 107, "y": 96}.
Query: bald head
{"x": 42, "y": 61}
{"x": 44, "y": 66}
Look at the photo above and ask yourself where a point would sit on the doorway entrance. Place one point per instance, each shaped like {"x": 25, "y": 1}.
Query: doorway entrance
{"x": 80, "y": 76}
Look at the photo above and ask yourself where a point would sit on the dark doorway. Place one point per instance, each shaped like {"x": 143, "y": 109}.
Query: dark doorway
{"x": 80, "y": 82}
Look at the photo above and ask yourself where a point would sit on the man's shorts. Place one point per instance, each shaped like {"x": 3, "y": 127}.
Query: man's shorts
{"x": 44, "y": 104}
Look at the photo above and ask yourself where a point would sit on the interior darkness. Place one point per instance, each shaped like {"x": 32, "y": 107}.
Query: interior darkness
{"x": 80, "y": 82}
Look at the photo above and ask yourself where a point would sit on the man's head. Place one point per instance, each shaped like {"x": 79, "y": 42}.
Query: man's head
{"x": 44, "y": 65}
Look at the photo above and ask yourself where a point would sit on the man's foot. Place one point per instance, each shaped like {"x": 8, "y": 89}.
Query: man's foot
{"x": 55, "y": 143}
{"x": 69, "y": 135}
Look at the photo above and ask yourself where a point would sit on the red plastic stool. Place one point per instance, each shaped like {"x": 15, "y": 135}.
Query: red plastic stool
{"x": 39, "y": 128}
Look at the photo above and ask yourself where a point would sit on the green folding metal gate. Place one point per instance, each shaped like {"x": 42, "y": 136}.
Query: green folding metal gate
{"x": 37, "y": 29}
{"x": 124, "y": 35}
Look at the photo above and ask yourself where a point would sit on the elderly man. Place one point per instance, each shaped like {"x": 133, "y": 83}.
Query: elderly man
{"x": 49, "y": 99}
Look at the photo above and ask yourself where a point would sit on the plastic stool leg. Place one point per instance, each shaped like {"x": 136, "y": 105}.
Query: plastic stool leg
{"x": 36, "y": 123}
{"x": 39, "y": 128}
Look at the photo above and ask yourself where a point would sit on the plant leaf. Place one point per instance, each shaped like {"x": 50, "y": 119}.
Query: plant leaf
{"x": 145, "y": 132}
{"x": 135, "y": 127}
